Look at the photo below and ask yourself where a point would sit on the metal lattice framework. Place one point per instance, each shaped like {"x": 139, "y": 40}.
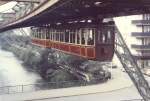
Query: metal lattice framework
{"x": 21, "y": 8}
{"x": 130, "y": 65}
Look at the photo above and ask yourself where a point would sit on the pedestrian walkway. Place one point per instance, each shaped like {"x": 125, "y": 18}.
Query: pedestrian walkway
{"x": 120, "y": 80}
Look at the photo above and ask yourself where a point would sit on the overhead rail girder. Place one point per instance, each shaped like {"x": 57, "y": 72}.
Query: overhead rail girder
{"x": 54, "y": 11}
{"x": 71, "y": 9}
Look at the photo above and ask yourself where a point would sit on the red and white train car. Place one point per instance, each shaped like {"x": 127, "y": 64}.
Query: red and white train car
{"x": 91, "y": 42}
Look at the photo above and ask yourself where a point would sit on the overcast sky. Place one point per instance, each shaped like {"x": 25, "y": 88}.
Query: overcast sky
{"x": 7, "y": 7}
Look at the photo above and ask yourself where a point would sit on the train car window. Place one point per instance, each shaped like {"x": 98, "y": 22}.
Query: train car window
{"x": 78, "y": 38}
{"x": 67, "y": 36}
{"x": 38, "y": 33}
{"x": 51, "y": 32}
{"x": 35, "y": 33}
{"x": 39, "y": 36}
{"x": 109, "y": 36}
{"x": 54, "y": 35}
{"x": 61, "y": 36}
{"x": 82, "y": 36}
{"x": 57, "y": 36}
{"x": 72, "y": 36}
{"x": 55, "y": 32}
{"x": 105, "y": 35}
{"x": 103, "y": 38}
{"x": 99, "y": 36}
{"x": 47, "y": 34}
{"x": 90, "y": 40}
{"x": 86, "y": 32}
{"x": 32, "y": 32}
{"x": 43, "y": 33}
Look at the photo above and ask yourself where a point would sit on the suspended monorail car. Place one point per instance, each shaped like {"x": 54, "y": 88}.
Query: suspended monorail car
{"x": 91, "y": 42}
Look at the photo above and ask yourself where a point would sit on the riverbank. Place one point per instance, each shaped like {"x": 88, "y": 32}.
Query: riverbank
{"x": 53, "y": 65}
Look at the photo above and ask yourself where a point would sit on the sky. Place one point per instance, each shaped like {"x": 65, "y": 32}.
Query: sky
{"x": 7, "y": 7}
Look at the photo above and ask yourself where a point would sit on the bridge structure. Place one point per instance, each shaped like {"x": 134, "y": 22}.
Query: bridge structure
{"x": 52, "y": 13}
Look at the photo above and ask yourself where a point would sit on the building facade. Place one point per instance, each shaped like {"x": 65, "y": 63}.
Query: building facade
{"x": 143, "y": 49}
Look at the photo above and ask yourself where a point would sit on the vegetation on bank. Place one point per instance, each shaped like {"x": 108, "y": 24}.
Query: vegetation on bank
{"x": 52, "y": 65}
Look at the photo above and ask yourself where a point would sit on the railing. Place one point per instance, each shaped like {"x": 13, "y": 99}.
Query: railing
{"x": 54, "y": 85}
{"x": 45, "y": 86}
